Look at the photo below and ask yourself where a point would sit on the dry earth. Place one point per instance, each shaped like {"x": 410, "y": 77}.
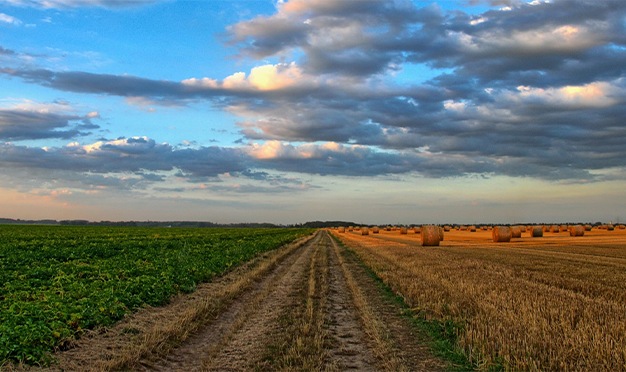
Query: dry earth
{"x": 307, "y": 306}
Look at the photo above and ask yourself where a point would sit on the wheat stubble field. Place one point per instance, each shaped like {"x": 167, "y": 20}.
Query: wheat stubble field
{"x": 552, "y": 303}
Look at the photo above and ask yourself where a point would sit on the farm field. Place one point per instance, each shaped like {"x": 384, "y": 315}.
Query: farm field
{"x": 552, "y": 303}
{"x": 59, "y": 282}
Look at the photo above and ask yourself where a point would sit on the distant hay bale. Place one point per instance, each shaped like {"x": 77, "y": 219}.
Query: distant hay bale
{"x": 342, "y": 229}
{"x": 365, "y": 231}
{"x": 610, "y": 227}
{"x": 489, "y": 228}
{"x": 375, "y": 230}
{"x": 588, "y": 227}
{"x": 564, "y": 228}
{"x": 546, "y": 228}
{"x": 441, "y": 234}
{"x": 388, "y": 228}
{"x": 501, "y": 234}
{"x": 350, "y": 228}
{"x": 555, "y": 229}
{"x": 536, "y": 232}
{"x": 403, "y": 230}
{"x": 522, "y": 229}
{"x": 430, "y": 235}
{"x": 446, "y": 228}
{"x": 577, "y": 230}
{"x": 418, "y": 230}
{"x": 463, "y": 228}
{"x": 622, "y": 227}
{"x": 472, "y": 228}
{"x": 516, "y": 232}
{"x": 484, "y": 228}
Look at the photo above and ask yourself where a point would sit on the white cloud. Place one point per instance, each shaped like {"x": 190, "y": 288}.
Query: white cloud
{"x": 594, "y": 95}
{"x": 9, "y": 19}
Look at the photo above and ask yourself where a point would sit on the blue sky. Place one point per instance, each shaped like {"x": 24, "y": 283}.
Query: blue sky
{"x": 288, "y": 111}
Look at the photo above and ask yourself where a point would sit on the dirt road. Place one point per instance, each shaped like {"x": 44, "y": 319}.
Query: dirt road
{"x": 310, "y": 306}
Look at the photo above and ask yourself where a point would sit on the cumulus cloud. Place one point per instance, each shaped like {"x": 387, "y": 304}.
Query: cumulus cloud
{"x": 533, "y": 90}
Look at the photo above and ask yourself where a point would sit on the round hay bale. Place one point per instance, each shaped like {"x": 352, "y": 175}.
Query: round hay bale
{"x": 403, "y": 230}
{"x": 501, "y": 234}
{"x": 441, "y": 234}
{"x": 375, "y": 230}
{"x": 418, "y": 230}
{"x": 577, "y": 230}
{"x": 610, "y": 227}
{"x": 388, "y": 228}
{"x": 555, "y": 229}
{"x": 472, "y": 229}
{"x": 622, "y": 227}
{"x": 446, "y": 228}
{"x": 342, "y": 229}
{"x": 430, "y": 235}
{"x": 350, "y": 228}
{"x": 546, "y": 228}
{"x": 484, "y": 228}
{"x": 463, "y": 228}
{"x": 536, "y": 232}
{"x": 588, "y": 227}
{"x": 564, "y": 228}
{"x": 365, "y": 231}
{"x": 516, "y": 232}
{"x": 522, "y": 229}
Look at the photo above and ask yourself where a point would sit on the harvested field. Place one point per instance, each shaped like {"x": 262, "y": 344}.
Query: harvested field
{"x": 552, "y": 303}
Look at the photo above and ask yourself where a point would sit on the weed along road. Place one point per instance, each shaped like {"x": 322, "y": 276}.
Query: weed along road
{"x": 308, "y": 306}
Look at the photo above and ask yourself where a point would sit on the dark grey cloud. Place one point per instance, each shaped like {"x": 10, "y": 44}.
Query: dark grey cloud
{"x": 18, "y": 125}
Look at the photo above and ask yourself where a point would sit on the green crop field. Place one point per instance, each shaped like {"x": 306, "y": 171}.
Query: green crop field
{"x": 57, "y": 281}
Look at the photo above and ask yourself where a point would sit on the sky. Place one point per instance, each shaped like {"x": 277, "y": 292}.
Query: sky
{"x": 376, "y": 112}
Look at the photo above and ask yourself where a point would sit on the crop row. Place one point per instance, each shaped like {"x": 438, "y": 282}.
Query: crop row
{"x": 56, "y": 282}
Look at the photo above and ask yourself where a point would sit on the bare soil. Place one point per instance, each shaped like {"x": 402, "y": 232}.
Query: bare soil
{"x": 308, "y": 306}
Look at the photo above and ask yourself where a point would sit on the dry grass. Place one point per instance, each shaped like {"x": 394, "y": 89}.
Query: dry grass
{"x": 553, "y": 303}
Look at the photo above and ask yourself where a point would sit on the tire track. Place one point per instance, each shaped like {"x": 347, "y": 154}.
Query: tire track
{"x": 194, "y": 353}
